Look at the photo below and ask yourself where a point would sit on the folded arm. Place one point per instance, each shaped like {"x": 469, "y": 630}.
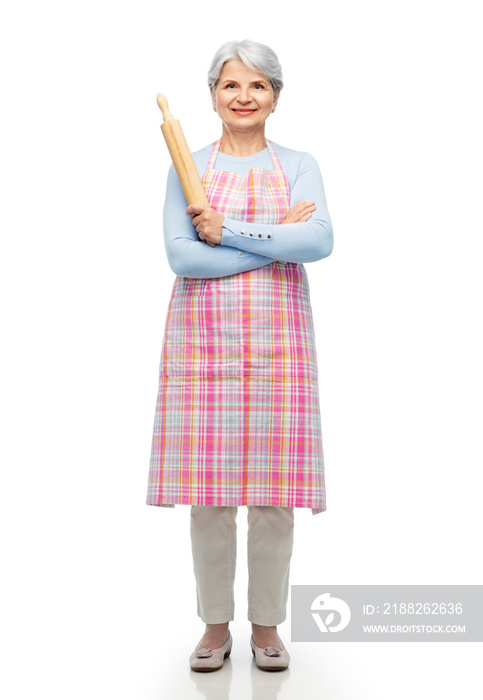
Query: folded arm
{"x": 190, "y": 257}
{"x": 301, "y": 242}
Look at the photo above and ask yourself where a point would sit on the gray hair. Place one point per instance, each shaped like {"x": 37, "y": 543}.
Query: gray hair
{"x": 257, "y": 57}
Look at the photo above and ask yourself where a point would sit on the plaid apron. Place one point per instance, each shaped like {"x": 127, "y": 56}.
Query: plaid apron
{"x": 237, "y": 418}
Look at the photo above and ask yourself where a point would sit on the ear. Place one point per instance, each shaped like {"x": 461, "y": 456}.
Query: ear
{"x": 275, "y": 98}
{"x": 213, "y": 97}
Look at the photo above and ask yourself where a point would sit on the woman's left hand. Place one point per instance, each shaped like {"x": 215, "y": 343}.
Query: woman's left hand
{"x": 207, "y": 222}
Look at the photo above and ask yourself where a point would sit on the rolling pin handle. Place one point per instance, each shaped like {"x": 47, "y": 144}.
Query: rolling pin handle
{"x": 163, "y": 106}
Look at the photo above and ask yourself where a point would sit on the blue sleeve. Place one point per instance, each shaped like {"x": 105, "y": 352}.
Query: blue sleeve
{"x": 190, "y": 257}
{"x": 303, "y": 242}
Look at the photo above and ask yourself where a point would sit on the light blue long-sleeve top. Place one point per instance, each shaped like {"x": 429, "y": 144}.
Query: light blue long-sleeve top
{"x": 239, "y": 252}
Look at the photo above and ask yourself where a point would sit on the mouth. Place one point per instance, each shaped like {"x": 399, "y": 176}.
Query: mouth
{"x": 243, "y": 112}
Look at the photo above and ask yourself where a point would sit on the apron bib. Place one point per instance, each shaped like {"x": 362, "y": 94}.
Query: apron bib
{"x": 237, "y": 417}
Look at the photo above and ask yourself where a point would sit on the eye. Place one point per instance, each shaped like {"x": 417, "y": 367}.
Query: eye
{"x": 259, "y": 85}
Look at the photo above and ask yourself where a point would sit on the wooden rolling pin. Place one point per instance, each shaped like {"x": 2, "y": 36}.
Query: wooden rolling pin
{"x": 181, "y": 157}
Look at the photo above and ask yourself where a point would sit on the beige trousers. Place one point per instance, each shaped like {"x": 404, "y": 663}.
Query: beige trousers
{"x": 269, "y": 550}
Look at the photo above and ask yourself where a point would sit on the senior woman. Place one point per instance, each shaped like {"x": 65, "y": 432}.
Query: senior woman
{"x": 237, "y": 417}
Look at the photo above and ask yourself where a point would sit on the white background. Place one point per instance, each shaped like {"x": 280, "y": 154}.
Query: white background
{"x": 387, "y": 97}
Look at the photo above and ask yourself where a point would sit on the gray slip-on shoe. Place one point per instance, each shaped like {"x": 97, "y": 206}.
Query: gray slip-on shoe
{"x": 207, "y": 659}
{"x": 270, "y": 658}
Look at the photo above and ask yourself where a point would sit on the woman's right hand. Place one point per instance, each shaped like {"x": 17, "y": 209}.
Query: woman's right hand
{"x": 300, "y": 212}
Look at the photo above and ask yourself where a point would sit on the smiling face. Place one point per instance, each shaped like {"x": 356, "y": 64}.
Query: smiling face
{"x": 243, "y": 98}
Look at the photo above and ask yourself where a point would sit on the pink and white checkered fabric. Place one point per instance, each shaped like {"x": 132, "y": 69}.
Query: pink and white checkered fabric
{"x": 237, "y": 417}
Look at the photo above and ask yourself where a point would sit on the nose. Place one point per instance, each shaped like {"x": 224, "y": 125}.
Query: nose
{"x": 243, "y": 95}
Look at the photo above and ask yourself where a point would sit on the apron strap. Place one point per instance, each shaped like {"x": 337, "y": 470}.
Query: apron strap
{"x": 273, "y": 156}
{"x": 214, "y": 153}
